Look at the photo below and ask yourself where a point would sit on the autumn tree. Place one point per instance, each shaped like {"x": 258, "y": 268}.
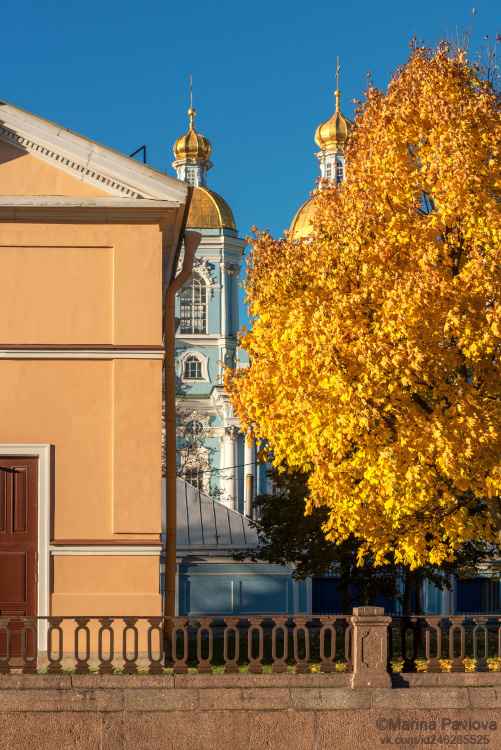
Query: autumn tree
{"x": 376, "y": 343}
{"x": 286, "y": 535}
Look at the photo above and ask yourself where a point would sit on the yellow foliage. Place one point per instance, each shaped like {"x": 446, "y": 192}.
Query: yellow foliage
{"x": 375, "y": 353}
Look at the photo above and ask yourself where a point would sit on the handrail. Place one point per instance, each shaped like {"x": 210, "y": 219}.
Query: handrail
{"x": 276, "y": 643}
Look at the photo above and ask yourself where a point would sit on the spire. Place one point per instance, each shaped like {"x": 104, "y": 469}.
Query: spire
{"x": 191, "y": 111}
{"x": 333, "y": 134}
{"x": 332, "y": 137}
{"x": 337, "y": 92}
{"x": 192, "y": 152}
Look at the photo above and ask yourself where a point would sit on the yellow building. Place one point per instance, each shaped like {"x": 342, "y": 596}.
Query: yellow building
{"x": 89, "y": 243}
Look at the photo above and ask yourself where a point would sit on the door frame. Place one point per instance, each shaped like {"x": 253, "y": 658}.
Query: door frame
{"x": 43, "y": 453}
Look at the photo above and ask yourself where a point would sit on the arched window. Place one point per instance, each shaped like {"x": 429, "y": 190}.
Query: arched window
{"x": 192, "y": 368}
{"x": 339, "y": 171}
{"x": 194, "y": 306}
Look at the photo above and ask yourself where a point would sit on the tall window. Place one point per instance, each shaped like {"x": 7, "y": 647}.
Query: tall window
{"x": 190, "y": 175}
{"x": 195, "y": 477}
{"x": 339, "y": 171}
{"x": 192, "y": 368}
{"x": 194, "y": 306}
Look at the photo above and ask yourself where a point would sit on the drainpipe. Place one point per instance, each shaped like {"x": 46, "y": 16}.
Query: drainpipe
{"x": 191, "y": 243}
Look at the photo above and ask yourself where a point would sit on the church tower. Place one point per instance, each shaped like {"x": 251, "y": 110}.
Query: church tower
{"x": 331, "y": 137}
{"x": 212, "y": 453}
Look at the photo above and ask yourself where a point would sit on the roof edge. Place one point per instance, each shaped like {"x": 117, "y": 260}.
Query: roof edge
{"x": 93, "y": 163}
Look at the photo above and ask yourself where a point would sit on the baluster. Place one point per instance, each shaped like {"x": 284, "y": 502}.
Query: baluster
{"x": 279, "y": 665}
{"x": 348, "y": 651}
{"x": 231, "y": 665}
{"x": 433, "y": 661}
{"x": 130, "y": 665}
{"x": 4, "y": 628}
{"x": 105, "y": 665}
{"x": 156, "y": 665}
{"x": 457, "y": 663}
{"x": 180, "y": 665}
{"x": 29, "y": 665}
{"x": 480, "y": 661}
{"x": 82, "y": 665}
{"x": 302, "y": 665}
{"x": 204, "y": 665}
{"x": 54, "y": 666}
{"x": 328, "y": 662}
{"x": 409, "y": 624}
{"x": 255, "y": 665}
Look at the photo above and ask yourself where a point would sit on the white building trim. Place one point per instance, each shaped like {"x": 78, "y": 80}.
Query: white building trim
{"x": 80, "y": 354}
{"x": 97, "y": 550}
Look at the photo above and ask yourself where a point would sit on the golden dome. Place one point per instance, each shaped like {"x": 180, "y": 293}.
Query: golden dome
{"x": 302, "y": 223}
{"x": 334, "y": 133}
{"x": 192, "y": 145}
{"x": 209, "y": 211}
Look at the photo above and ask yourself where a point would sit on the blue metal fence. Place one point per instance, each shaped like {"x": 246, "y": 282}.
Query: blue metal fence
{"x": 475, "y": 596}
{"x": 326, "y": 598}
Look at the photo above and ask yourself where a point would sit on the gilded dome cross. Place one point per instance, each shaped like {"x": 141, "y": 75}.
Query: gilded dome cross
{"x": 337, "y": 92}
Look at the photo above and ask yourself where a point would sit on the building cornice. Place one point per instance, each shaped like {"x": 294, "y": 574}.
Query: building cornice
{"x": 206, "y": 339}
{"x": 32, "y": 208}
{"x": 108, "y": 542}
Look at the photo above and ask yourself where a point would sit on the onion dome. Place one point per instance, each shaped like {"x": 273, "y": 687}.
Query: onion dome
{"x": 334, "y": 133}
{"x": 192, "y": 145}
{"x": 209, "y": 211}
{"x": 303, "y": 221}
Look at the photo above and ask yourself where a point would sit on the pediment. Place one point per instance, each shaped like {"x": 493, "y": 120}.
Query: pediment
{"x": 38, "y": 157}
{"x": 23, "y": 174}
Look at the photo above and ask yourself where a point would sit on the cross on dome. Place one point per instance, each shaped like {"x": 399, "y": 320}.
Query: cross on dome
{"x": 334, "y": 133}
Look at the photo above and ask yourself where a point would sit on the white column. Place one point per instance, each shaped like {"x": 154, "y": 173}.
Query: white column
{"x": 229, "y": 482}
{"x": 235, "y": 268}
{"x": 250, "y": 476}
{"x": 224, "y": 299}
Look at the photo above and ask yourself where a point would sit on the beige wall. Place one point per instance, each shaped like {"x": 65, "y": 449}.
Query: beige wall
{"x": 81, "y": 284}
{"x": 73, "y": 283}
{"x": 78, "y": 585}
{"x": 104, "y": 420}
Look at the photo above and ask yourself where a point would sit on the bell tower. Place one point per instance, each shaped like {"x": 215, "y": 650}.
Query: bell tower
{"x": 207, "y": 307}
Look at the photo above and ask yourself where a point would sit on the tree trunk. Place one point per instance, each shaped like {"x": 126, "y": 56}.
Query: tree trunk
{"x": 407, "y": 597}
{"x": 417, "y": 589}
{"x": 494, "y": 506}
{"x": 344, "y": 589}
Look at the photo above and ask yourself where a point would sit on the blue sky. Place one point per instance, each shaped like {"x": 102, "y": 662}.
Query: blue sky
{"x": 264, "y": 76}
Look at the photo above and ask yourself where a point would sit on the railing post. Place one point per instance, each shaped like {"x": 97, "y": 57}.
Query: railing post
{"x": 370, "y": 648}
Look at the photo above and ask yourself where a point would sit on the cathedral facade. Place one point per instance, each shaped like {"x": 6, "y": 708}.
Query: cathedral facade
{"x": 213, "y": 455}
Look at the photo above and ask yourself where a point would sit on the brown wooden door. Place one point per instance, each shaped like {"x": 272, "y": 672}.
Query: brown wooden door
{"x": 18, "y": 540}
